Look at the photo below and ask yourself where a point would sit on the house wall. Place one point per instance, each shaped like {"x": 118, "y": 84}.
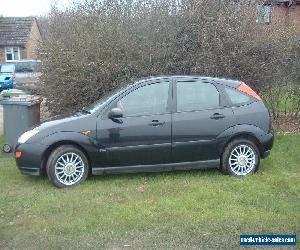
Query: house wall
{"x": 23, "y": 52}
{"x": 2, "y": 57}
{"x": 30, "y": 51}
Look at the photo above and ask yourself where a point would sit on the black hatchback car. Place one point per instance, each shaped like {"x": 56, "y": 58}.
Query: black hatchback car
{"x": 155, "y": 124}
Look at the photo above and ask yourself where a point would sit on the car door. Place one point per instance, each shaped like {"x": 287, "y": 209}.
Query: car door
{"x": 198, "y": 121}
{"x": 143, "y": 135}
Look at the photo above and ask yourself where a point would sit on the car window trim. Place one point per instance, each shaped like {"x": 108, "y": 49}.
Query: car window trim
{"x": 103, "y": 114}
{"x": 251, "y": 99}
{"x": 202, "y": 81}
{"x": 101, "y": 111}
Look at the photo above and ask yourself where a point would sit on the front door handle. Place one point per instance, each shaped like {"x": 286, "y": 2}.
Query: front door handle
{"x": 217, "y": 116}
{"x": 155, "y": 123}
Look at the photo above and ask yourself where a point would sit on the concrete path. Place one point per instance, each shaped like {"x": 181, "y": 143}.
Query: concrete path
{"x": 1, "y": 120}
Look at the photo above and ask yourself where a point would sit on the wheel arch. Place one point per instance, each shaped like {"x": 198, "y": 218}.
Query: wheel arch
{"x": 57, "y": 144}
{"x": 245, "y": 135}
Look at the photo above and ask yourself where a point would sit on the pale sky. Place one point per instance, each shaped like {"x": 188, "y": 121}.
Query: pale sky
{"x": 29, "y": 7}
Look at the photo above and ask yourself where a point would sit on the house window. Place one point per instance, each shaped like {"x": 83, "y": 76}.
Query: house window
{"x": 263, "y": 13}
{"x": 12, "y": 53}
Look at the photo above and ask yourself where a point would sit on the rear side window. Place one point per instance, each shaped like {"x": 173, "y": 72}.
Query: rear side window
{"x": 196, "y": 95}
{"x": 236, "y": 97}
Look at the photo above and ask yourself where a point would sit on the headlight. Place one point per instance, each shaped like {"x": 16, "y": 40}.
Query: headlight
{"x": 25, "y": 137}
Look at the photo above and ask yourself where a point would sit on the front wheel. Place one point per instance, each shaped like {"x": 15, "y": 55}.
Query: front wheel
{"x": 67, "y": 166}
{"x": 241, "y": 157}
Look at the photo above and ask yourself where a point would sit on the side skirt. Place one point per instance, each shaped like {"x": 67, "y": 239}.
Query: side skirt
{"x": 158, "y": 167}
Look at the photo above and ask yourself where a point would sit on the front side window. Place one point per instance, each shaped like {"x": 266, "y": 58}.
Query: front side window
{"x": 197, "y": 95}
{"x": 236, "y": 97}
{"x": 12, "y": 53}
{"x": 146, "y": 100}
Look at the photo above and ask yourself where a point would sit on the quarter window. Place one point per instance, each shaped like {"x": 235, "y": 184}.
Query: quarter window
{"x": 236, "y": 97}
{"x": 196, "y": 95}
{"x": 146, "y": 100}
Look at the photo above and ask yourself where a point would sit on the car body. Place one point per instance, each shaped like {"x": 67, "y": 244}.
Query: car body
{"x": 27, "y": 75}
{"x": 154, "y": 124}
{"x": 7, "y": 76}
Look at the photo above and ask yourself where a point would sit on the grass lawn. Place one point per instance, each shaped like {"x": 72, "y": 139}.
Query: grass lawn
{"x": 181, "y": 210}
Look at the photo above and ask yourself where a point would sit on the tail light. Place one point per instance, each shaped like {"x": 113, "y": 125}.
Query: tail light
{"x": 18, "y": 154}
{"x": 14, "y": 78}
{"x": 246, "y": 89}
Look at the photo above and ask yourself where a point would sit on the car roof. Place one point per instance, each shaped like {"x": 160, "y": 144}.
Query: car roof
{"x": 224, "y": 81}
{"x": 26, "y": 60}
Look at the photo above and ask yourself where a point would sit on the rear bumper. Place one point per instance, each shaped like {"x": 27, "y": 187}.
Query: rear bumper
{"x": 266, "y": 154}
{"x": 267, "y": 143}
{"x": 32, "y": 157}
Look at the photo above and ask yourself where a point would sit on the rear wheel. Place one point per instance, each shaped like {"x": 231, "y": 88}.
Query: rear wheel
{"x": 241, "y": 157}
{"x": 67, "y": 166}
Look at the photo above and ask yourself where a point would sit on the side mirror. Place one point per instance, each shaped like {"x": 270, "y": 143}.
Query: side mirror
{"x": 115, "y": 113}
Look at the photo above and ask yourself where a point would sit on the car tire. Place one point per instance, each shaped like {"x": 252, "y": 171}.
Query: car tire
{"x": 67, "y": 166}
{"x": 240, "y": 158}
{"x": 6, "y": 148}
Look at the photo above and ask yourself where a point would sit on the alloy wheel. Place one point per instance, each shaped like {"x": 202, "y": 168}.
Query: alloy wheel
{"x": 242, "y": 159}
{"x": 69, "y": 168}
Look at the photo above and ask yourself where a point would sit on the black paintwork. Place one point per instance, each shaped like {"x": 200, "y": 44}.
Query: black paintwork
{"x": 169, "y": 141}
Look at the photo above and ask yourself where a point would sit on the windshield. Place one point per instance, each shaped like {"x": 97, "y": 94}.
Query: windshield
{"x": 27, "y": 66}
{"x": 7, "y": 68}
{"x": 105, "y": 98}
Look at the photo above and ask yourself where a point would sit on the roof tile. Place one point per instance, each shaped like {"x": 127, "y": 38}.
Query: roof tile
{"x": 14, "y": 31}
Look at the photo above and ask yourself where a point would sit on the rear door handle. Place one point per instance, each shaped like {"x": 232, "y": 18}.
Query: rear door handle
{"x": 217, "y": 116}
{"x": 156, "y": 123}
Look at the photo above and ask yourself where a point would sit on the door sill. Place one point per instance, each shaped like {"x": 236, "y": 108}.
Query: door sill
{"x": 158, "y": 167}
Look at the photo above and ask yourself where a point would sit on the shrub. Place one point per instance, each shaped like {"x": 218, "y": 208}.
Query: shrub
{"x": 97, "y": 45}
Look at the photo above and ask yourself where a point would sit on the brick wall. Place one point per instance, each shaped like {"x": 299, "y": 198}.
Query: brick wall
{"x": 30, "y": 50}
{"x": 2, "y": 57}
{"x": 23, "y": 53}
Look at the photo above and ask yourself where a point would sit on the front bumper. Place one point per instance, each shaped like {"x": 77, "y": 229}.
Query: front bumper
{"x": 30, "y": 163}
